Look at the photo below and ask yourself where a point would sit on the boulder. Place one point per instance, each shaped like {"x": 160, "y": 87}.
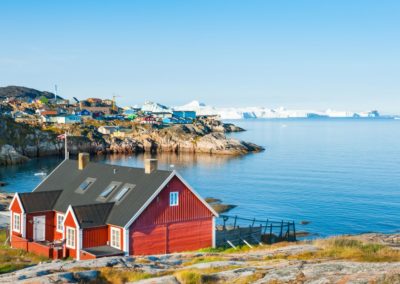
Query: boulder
{"x": 9, "y": 156}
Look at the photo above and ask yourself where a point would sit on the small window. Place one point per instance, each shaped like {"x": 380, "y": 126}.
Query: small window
{"x": 123, "y": 192}
{"x": 17, "y": 222}
{"x": 60, "y": 222}
{"x": 173, "y": 198}
{"x": 106, "y": 193}
{"x": 116, "y": 238}
{"x": 84, "y": 185}
{"x": 70, "y": 239}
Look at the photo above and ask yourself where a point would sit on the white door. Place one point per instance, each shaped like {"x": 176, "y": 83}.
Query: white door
{"x": 39, "y": 228}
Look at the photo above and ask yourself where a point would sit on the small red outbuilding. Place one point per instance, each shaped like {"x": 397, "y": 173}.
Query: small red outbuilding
{"x": 87, "y": 210}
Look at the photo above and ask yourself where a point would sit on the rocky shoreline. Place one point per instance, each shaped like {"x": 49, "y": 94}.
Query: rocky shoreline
{"x": 291, "y": 263}
{"x": 21, "y": 142}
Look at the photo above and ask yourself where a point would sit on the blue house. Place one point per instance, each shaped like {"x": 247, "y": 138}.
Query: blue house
{"x": 84, "y": 114}
{"x": 184, "y": 114}
{"x": 176, "y": 120}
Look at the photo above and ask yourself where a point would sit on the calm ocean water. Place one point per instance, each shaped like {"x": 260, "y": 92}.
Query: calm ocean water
{"x": 342, "y": 175}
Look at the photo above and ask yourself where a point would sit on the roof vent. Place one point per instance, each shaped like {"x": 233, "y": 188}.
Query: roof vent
{"x": 115, "y": 171}
{"x": 150, "y": 165}
{"x": 83, "y": 160}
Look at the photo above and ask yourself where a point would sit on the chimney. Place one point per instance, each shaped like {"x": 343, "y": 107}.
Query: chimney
{"x": 150, "y": 165}
{"x": 83, "y": 160}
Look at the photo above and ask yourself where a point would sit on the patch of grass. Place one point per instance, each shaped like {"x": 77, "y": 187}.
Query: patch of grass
{"x": 350, "y": 249}
{"x": 356, "y": 250}
{"x": 119, "y": 276}
{"x": 245, "y": 248}
{"x": 204, "y": 259}
{"x": 9, "y": 267}
{"x": 251, "y": 278}
{"x": 189, "y": 277}
{"x": 14, "y": 259}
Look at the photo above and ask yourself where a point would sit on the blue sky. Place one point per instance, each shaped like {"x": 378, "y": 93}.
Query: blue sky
{"x": 297, "y": 54}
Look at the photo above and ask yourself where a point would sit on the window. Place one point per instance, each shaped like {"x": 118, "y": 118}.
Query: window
{"x": 173, "y": 198}
{"x": 70, "y": 242}
{"x": 60, "y": 221}
{"x": 106, "y": 193}
{"x": 17, "y": 222}
{"x": 116, "y": 238}
{"x": 124, "y": 190}
{"x": 85, "y": 185}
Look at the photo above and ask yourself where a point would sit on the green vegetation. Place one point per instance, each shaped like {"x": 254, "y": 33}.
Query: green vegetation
{"x": 119, "y": 276}
{"x": 14, "y": 259}
{"x": 355, "y": 250}
{"x": 189, "y": 277}
{"x": 44, "y": 100}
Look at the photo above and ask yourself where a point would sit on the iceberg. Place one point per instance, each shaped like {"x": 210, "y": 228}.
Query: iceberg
{"x": 264, "y": 112}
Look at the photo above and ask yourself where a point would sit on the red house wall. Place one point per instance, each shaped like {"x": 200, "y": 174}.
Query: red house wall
{"x": 93, "y": 237}
{"x": 49, "y": 224}
{"x": 69, "y": 222}
{"x": 161, "y": 227}
{"x": 15, "y": 208}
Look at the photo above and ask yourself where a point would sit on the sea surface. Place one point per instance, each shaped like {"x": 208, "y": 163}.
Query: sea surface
{"x": 341, "y": 175}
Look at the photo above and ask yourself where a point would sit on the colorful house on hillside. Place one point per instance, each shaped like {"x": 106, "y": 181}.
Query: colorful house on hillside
{"x": 61, "y": 119}
{"x": 184, "y": 114}
{"x": 88, "y": 210}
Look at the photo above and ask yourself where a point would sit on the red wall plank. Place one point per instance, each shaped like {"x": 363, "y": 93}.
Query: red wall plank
{"x": 148, "y": 240}
{"x": 93, "y": 237}
{"x": 192, "y": 235}
{"x": 15, "y": 206}
{"x": 19, "y": 243}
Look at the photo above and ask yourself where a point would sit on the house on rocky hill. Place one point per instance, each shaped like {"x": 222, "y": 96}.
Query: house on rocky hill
{"x": 87, "y": 210}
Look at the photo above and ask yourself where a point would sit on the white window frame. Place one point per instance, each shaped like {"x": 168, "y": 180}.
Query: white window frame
{"x": 68, "y": 242}
{"x": 17, "y": 228}
{"x": 115, "y": 238}
{"x": 174, "y": 198}
{"x": 59, "y": 227}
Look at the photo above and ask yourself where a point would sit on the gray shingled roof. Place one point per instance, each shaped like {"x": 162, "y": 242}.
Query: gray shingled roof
{"x": 68, "y": 177}
{"x": 39, "y": 201}
{"x": 93, "y": 215}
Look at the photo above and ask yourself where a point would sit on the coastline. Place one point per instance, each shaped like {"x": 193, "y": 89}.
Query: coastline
{"x": 203, "y": 136}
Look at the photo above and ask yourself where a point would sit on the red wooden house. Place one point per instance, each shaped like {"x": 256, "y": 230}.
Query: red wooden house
{"x": 87, "y": 210}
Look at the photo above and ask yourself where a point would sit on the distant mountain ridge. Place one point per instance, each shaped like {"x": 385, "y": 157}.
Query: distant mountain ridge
{"x": 24, "y": 93}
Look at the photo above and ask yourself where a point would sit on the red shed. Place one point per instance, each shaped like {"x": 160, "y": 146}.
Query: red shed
{"x": 88, "y": 210}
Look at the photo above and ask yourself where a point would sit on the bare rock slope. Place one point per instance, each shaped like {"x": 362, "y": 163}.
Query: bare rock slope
{"x": 277, "y": 264}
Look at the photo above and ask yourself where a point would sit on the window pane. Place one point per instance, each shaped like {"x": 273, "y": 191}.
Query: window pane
{"x": 121, "y": 194}
{"x": 108, "y": 190}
